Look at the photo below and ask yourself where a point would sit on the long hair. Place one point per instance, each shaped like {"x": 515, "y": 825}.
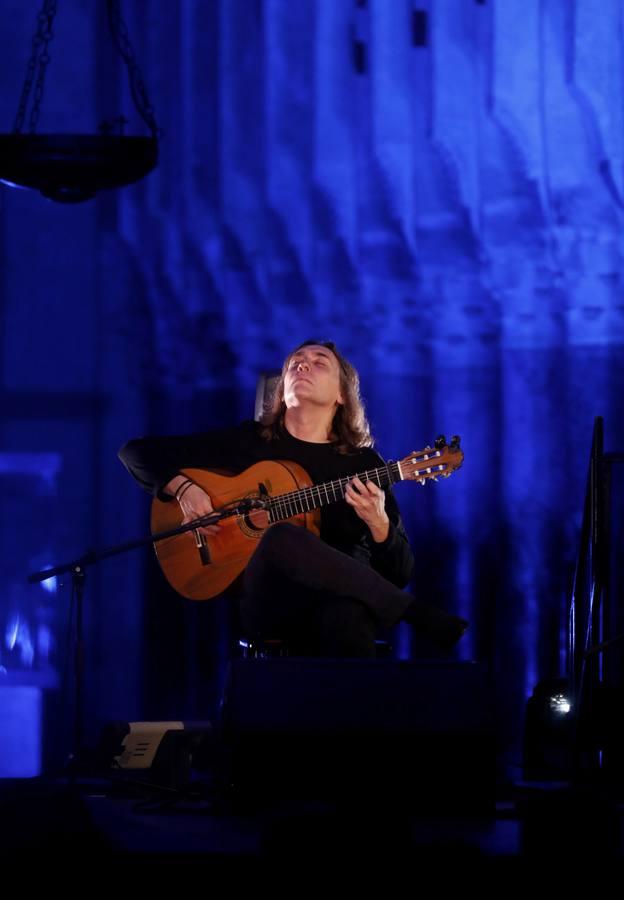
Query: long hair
{"x": 350, "y": 429}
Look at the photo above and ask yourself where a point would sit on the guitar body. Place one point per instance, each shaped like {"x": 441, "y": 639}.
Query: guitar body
{"x": 202, "y": 566}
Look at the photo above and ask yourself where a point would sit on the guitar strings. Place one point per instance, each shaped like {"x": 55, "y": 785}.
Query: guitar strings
{"x": 309, "y": 498}
{"x": 286, "y": 504}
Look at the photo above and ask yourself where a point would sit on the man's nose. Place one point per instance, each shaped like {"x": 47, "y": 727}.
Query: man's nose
{"x": 302, "y": 364}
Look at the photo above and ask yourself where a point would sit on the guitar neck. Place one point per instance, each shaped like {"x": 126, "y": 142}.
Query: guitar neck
{"x": 285, "y": 506}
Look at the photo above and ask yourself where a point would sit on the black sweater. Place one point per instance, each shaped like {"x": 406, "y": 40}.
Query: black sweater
{"x": 154, "y": 461}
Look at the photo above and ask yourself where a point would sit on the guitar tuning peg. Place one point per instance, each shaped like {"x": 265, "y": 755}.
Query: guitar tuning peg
{"x": 427, "y": 447}
{"x": 421, "y": 480}
{"x": 440, "y": 442}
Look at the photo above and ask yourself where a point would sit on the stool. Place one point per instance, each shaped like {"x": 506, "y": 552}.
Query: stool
{"x": 263, "y": 648}
{"x": 271, "y": 648}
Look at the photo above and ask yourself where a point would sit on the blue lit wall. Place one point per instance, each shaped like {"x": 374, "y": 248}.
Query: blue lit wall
{"x": 437, "y": 186}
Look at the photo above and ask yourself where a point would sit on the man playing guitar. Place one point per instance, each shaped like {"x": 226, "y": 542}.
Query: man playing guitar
{"x": 330, "y": 585}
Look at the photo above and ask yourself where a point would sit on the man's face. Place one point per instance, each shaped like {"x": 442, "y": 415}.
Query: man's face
{"x": 313, "y": 377}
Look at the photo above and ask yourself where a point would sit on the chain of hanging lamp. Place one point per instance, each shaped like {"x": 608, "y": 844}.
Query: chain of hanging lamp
{"x": 121, "y": 38}
{"x": 40, "y": 59}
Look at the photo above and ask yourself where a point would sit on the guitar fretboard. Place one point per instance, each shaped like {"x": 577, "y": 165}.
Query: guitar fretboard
{"x": 285, "y": 506}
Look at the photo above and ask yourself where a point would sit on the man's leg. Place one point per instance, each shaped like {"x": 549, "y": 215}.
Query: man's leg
{"x": 347, "y": 629}
{"x": 288, "y": 552}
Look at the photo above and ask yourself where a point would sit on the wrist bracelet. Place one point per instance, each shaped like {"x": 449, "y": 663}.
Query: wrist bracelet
{"x": 182, "y": 487}
{"x": 185, "y": 489}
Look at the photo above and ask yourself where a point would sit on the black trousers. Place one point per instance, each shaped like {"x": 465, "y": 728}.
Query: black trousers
{"x": 324, "y": 602}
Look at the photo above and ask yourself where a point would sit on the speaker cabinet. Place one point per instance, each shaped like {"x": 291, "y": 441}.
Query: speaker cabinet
{"x": 417, "y": 734}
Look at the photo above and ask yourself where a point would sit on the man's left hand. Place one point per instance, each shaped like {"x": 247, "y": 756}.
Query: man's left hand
{"x": 369, "y": 502}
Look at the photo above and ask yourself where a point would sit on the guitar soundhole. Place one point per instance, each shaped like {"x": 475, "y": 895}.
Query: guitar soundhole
{"x": 255, "y": 523}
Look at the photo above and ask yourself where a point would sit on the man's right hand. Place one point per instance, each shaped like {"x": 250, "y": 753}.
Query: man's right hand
{"x": 194, "y": 502}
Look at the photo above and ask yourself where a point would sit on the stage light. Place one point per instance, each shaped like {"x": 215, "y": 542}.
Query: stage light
{"x": 164, "y": 753}
{"x": 548, "y": 731}
{"x": 559, "y": 704}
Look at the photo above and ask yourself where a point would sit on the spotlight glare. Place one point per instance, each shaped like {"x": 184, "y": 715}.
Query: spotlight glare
{"x": 559, "y": 704}
{"x": 50, "y": 585}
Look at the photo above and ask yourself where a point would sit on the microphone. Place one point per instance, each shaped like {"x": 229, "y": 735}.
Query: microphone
{"x": 252, "y": 503}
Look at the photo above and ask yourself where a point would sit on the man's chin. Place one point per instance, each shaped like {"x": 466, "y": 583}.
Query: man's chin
{"x": 300, "y": 391}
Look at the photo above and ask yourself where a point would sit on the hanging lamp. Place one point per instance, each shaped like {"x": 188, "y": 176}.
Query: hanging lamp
{"x": 70, "y": 168}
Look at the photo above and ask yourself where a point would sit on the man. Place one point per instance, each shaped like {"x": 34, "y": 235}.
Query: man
{"x": 327, "y": 594}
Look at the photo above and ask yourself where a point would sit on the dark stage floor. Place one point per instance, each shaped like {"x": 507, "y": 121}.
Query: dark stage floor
{"x": 100, "y": 820}
{"x": 317, "y": 764}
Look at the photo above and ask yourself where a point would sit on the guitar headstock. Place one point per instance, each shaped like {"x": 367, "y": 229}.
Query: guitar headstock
{"x": 434, "y": 462}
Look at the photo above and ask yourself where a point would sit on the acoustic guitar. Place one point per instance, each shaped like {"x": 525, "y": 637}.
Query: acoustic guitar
{"x": 201, "y": 566}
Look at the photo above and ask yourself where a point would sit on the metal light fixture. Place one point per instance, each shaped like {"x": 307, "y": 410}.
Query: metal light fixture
{"x": 549, "y": 731}
{"x": 70, "y": 168}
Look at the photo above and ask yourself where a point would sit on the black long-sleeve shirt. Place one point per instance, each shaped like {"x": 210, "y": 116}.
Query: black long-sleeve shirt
{"x": 154, "y": 461}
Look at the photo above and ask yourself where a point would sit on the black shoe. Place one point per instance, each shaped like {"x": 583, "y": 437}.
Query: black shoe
{"x": 447, "y": 635}
{"x": 443, "y": 629}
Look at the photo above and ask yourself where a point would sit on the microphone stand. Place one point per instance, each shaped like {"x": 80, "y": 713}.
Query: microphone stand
{"x": 78, "y": 568}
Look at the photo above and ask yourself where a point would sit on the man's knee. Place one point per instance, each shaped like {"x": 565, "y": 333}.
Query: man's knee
{"x": 281, "y": 538}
